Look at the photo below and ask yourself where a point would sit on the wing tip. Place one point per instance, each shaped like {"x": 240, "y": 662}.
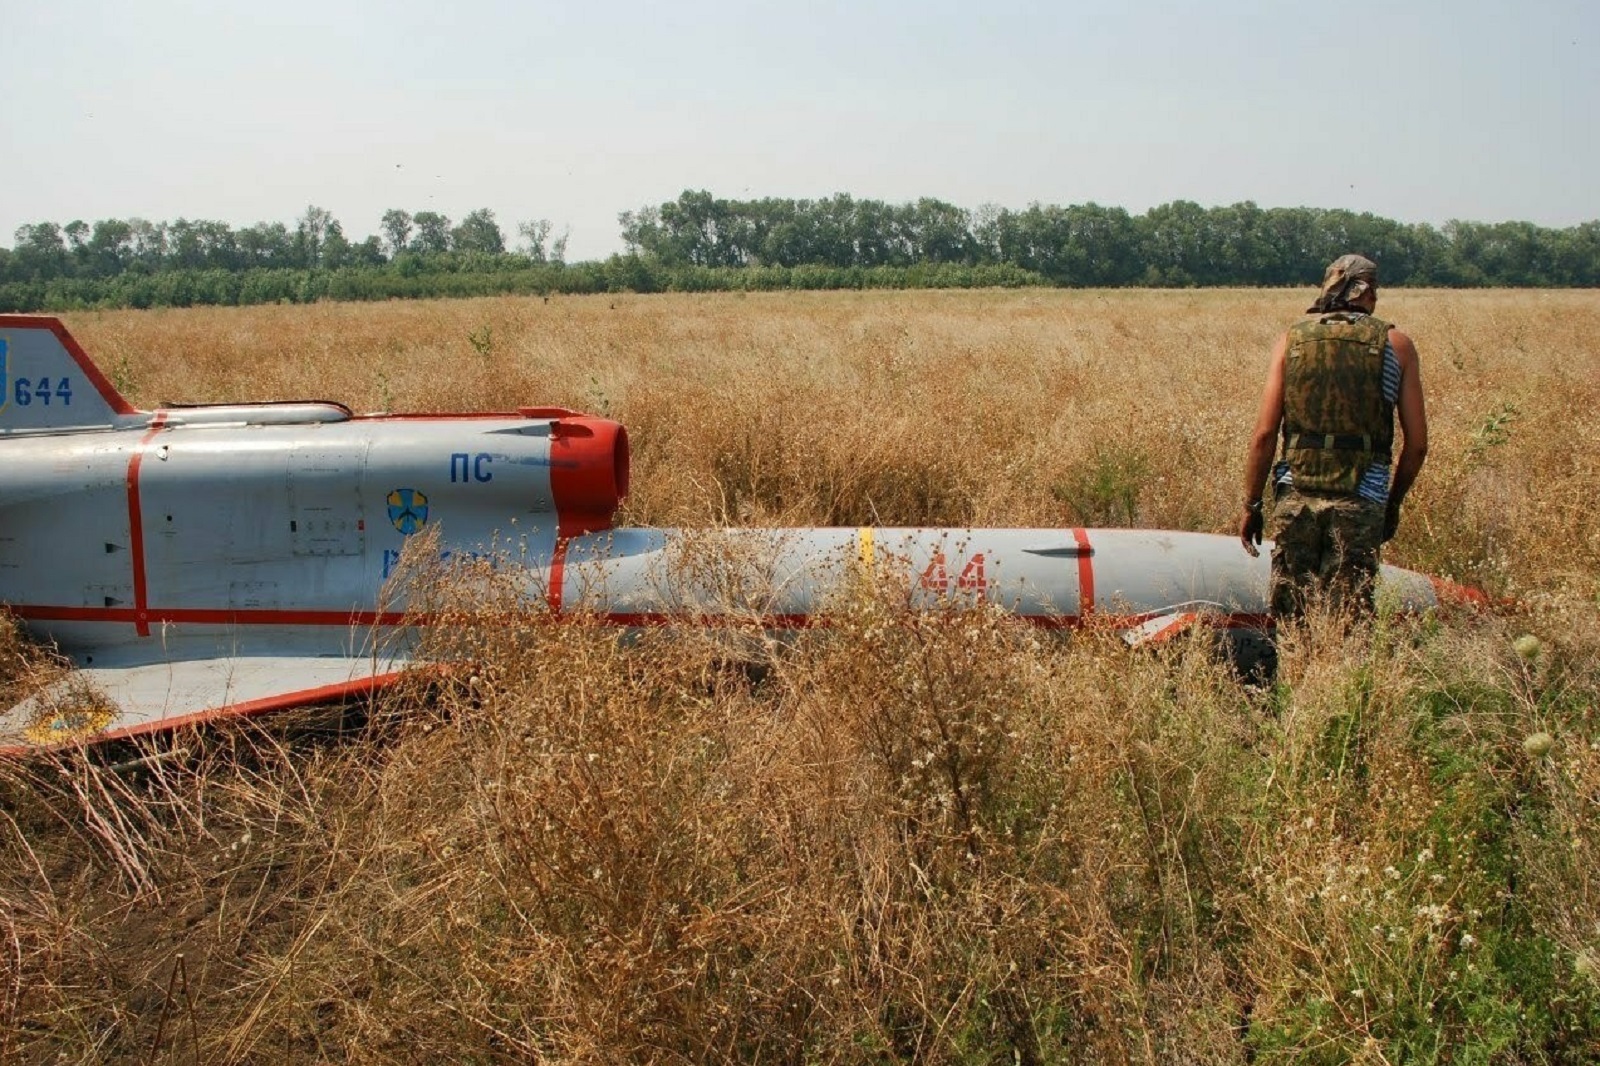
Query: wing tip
{"x": 87, "y": 730}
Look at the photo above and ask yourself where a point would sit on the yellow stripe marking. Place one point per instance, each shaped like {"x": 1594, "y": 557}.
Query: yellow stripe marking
{"x": 865, "y": 535}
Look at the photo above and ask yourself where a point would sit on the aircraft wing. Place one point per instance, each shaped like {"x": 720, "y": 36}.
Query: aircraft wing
{"x": 109, "y": 701}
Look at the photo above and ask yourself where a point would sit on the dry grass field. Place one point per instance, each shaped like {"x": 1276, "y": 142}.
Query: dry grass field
{"x": 931, "y": 839}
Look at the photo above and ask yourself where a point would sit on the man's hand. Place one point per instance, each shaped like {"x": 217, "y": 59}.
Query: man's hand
{"x": 1250, "y": 528}
{"x": 1391, "y": 520}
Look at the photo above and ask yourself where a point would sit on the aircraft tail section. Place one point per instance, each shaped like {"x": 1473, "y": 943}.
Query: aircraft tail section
{"x": 48, "y": 383}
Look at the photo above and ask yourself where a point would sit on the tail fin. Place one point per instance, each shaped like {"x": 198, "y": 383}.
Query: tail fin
{"x": 47, "y": 382}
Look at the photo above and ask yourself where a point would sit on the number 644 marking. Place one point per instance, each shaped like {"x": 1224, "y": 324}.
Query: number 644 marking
{"x": 26, "y": 391}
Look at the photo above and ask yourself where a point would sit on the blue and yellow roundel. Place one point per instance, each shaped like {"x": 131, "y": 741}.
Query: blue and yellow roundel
{"x": 408, "y": 510}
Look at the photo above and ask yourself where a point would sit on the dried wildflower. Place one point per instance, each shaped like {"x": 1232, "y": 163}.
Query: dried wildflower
{"x": 1538, "y": 744}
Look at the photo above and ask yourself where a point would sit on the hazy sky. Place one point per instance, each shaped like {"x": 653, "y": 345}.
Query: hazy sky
{"x": 245, "y": 112}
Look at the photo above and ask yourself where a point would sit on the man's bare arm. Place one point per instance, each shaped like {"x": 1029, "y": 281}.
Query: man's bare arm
{"x": 1263, "y": 441}
{"x": 1413, "y": 418}
{"x": 1414, "y": 427}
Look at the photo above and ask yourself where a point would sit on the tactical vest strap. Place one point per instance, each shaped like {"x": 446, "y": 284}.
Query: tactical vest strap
{"x": 1344, "y": 442}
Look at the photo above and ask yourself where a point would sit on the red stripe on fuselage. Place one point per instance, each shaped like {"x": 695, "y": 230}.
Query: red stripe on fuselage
{"x": 1085, "y": 573}
{"x": 244, "y": 616}
{"x": 141, "y": 620}
{"x": 651, "y": 619}
{"x": 557, "y": 575}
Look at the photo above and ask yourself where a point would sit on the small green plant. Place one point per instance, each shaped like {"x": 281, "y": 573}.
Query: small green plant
{"x": 482, "y": 340}
{"x": 1495, "y": 432}
{"x": 599, "y": 400}
{"x": 385, "y": 392}
{"x": 1106, "y": 491}
{"x": 122, "y": 375}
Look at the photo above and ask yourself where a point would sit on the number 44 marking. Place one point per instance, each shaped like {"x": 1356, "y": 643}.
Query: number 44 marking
{"x": 936, "y": 576}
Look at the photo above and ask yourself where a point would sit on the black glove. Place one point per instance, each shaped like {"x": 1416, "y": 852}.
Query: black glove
{"x": 1391, "y": 520}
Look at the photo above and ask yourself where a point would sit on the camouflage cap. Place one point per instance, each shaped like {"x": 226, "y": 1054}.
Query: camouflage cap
{"x": 1346, "y": 279}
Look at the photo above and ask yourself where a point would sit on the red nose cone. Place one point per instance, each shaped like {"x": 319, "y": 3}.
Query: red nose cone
{"x": 588, "y": 473}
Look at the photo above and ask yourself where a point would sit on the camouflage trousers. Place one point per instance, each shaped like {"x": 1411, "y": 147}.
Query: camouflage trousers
{"x": 1325, "y": 550}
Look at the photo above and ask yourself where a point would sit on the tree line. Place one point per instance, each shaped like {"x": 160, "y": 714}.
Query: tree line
{"x": 112, "y": 247}
{"x": 699, "y": 242}
{"x": 1177, "y": 244}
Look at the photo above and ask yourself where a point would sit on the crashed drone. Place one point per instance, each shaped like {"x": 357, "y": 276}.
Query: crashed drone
{"x": 197, "y": 562}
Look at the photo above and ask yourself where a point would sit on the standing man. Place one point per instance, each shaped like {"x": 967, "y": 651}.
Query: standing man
{"x": 1334, "y": 387}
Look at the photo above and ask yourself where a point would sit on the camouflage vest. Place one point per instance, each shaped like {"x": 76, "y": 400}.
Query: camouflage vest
{"x": 1336, "y": 422}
